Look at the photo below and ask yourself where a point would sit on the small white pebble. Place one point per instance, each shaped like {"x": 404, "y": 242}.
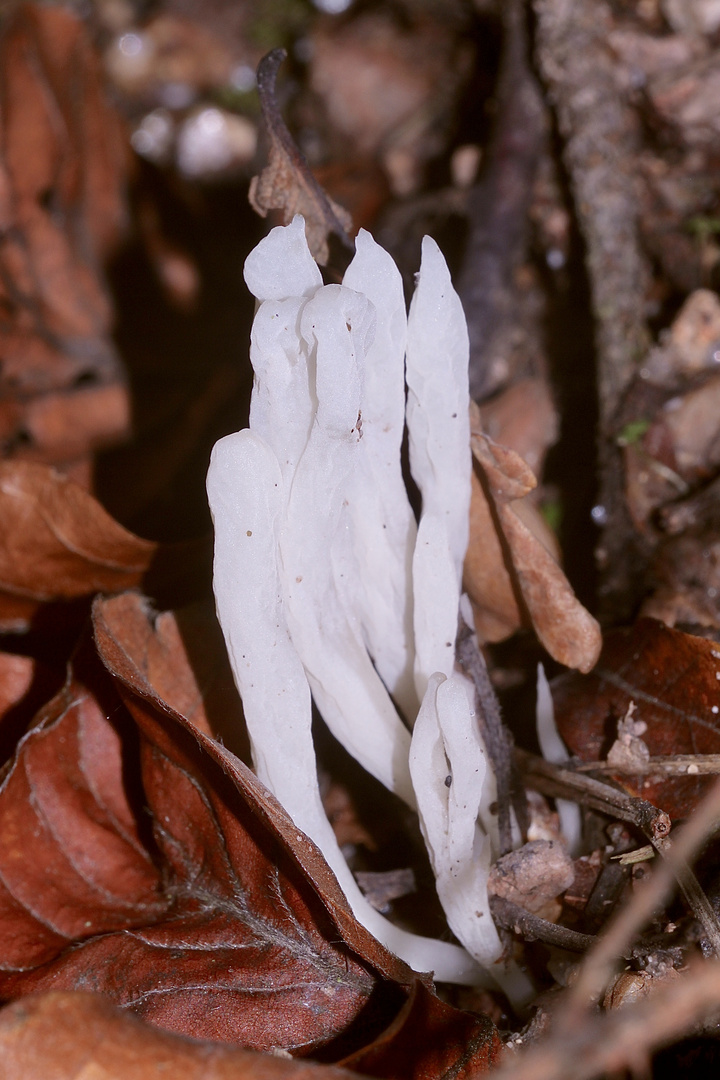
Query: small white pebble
{"x": 693, "y": 769}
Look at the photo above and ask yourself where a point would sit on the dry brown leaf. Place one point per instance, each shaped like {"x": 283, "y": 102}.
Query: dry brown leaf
{"x": 424, "y": 1038}
{"x": 508, "y": 568}
{"x": 388, "y": 89}
{"x": 224, "y": 923}
{"x": 523, "y": 417}
{"x": 62, "y": 209}
{"x": 673, "y": 680}
{"x": 286, "y": 183}
{"x": 486, "y": 578}
{"x": 57, "y": 542}
{"x": 182, "y": 656}
{"x": 83, "y": 1036}
{"x": 25, "y": 685}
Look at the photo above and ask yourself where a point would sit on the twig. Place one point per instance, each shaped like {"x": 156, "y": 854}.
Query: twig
{"x": 497, "y": 206}
{"x": 670, "y": 765}
{"x": 495, "y": 734}
{"x": 561, "y": 782}
{"x": 601, "y": 139}
{"x": 287, "y": 183}
{"x": 532, "y": 928}
{"x": 647, "y": 898}
{"x": 694, "y": 895}
{"x": 623, "y": 1039}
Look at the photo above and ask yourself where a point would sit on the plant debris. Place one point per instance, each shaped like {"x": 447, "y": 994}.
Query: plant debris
{"x": 286, "y": 183}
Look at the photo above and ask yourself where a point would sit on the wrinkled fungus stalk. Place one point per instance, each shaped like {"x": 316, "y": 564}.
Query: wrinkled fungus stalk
{"x": 325, "y": 588}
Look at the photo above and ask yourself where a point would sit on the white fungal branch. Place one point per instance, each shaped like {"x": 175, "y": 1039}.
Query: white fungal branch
{"x": 553, "y": 749}
{"x": 440, "y": 459}
{"x": 323, "y": 584}
{"x": 382, "y": 522}
{"x": 448, "y": 764}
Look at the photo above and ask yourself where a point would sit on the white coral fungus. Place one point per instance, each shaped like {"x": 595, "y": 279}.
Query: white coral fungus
{"x": 325, "y": 586}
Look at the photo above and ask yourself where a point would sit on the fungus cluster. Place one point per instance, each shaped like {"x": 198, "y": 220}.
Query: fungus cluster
{"x": 326, "y": 587}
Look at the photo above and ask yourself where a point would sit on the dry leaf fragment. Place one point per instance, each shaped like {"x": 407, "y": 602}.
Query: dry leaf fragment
{"x": 389, "y": 87}
{"x": 425, "y": 1042}
{"x": 533, "y": 877}
{"x": 533, "y": 580}
{"x": 286, "y": 183}
{"x": 72, "y": 863}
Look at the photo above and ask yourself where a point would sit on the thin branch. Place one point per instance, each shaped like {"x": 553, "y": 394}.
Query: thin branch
{"x": 495, "y": 734}
{"x": 622, "y": 1039}
{"x": 561, "y": 782}
{"x": 287, "y": 183}
{"x": 532, "y": 928}
{"x": 647, "y": 898}
{"x": 670, "y": 765}
{"x": 694, "y": 895}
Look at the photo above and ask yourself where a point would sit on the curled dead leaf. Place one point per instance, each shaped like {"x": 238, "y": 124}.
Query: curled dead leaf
{"x": 62, "y": 208}
{"x": 509, "y": 571}
{"x": 182, "y": 656}
{"x": 286, "y": 183}
{"x": 533, "y": 876}
{"x": 57, "y": 542}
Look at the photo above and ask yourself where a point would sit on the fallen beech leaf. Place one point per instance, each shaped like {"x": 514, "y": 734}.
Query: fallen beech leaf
{"x": 425, "y": 1042}
{"x": 16, "y": 676}
{"x": 182, "y": 656}
{"x": 524, "y": 418}
{"x": 165, "y": 876}
{"x": 82, "y": 1036}
{"x": 377, "y": 82}
{"x": 62, "y": 210}
{"x": 57, "y": 542}
{"x": 533, "y": 876}
{"x": 686, "y": 576}
{"x": 72, "y": 863}
{"x": 339, "y": 964}
{"x": 25, "y": 685}
{"x": 217, "y": 936}
{"x": 508, "y": 568}
{"x": 672, "y": 678}
{"x": 286, "y": 183}
{"x": 486, "y": 578}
